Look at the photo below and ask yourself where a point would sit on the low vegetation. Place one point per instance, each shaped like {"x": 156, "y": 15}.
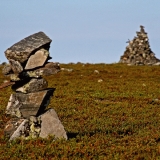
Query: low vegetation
{"x": 117, "y": 117}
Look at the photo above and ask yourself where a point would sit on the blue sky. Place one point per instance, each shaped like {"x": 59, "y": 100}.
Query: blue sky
{"x": 93, "y": 31}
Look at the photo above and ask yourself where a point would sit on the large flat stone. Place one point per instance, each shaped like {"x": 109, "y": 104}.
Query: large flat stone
{"x": 37, "y": 59}
{"x": 33, "y": 85}
{"x": 51, "y": 125}
{"x": 21, "y": 50}
{"x": 31, "y": 104}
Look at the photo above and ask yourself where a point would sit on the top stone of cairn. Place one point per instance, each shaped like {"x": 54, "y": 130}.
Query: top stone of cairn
{"x": 22, "y": 50}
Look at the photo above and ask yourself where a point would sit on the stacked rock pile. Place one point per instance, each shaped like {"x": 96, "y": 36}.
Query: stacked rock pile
{"x": 138, "y": 51}
{"x": 28, "y": 62}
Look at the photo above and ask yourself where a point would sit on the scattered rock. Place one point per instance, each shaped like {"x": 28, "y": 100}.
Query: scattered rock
{"x": 100, "y": 80}
{"x": 96, "y": 71}
{"x": 144, "y": 85}
{"x": 66, "y": 69}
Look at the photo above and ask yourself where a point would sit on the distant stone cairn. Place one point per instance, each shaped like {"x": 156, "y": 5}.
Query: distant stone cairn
{"x": 28, "y": 62}
{"x": 138, "y": 51}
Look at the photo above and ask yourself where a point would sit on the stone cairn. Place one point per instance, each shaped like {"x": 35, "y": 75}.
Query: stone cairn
{"x": 28, "y": 62}
{"x": 138, "y": 51}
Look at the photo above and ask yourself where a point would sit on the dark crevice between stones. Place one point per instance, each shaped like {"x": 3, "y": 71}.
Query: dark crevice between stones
{"x": 118, "y": 134}
{"x": 45, "y": 101}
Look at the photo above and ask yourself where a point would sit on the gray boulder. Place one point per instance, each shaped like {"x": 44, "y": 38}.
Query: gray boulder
{"x": 51, "y": 125}
{"x": 22, "y": 50}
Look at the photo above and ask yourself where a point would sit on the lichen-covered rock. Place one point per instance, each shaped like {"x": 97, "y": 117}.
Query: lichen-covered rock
{"x": 49, "y": 69}
{"x": 32, "y": 85}
{"x": 23, "y": 128}
{"x": 22, "y": 50}
{"x": 37, "y": 59}
{"x": 16, "y": 66}
{"x": 25, "y": 105}
{"x": 51, "y": 125}
{"x": 34, "y": 127}
{"x": 16, "y": 127}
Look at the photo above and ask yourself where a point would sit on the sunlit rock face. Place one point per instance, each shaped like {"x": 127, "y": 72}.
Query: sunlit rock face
{"x": 28, "y": 63}
{"x": 51, "y": 125}
{"x": 138, "y": 51}
{"x": 22, "y": 50}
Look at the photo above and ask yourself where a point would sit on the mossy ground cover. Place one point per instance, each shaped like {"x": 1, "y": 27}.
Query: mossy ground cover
{"x": 118, "y": 118}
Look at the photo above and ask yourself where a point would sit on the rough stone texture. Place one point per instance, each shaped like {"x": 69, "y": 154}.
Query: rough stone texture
{"x": 49, "y": 69}
{"x": 25, "y": 105}
{"x": 32, "y": 85}
{"x": 138, "y": 51}
{"x": 15, "y": 128}
{"x": 51, "y": 125}
{"x": 7, "y": 69}
{"x": 23, "y": 128}
{"x": 16, "y": 66}
{"x": 21, "y": 50}
{"x": 38, "y": 59}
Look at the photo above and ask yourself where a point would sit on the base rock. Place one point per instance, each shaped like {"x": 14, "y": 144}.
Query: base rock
{"x": 51, "y": 125}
